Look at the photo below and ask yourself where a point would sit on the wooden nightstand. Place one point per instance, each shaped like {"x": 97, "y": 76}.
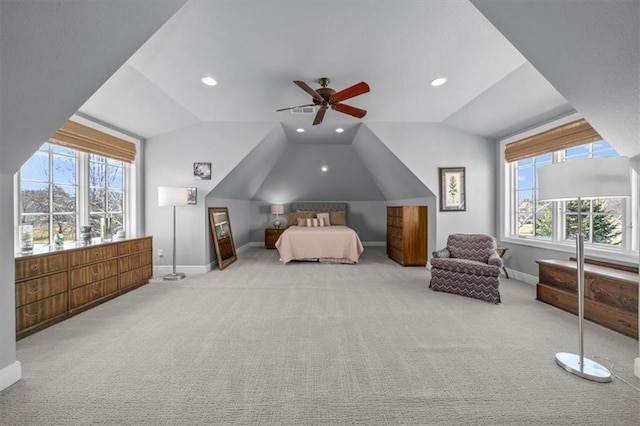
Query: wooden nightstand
{"x": 271, "y": 235}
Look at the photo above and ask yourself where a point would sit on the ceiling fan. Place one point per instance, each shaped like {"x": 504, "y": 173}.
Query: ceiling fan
{"x": 326, "y": 98}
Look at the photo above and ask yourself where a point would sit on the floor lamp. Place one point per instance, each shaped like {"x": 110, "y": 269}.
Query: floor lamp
{"x": 172, "y": 197}
{"x": 605, "y": 177}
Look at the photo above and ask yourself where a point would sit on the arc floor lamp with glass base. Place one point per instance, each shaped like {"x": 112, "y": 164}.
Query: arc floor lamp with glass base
{"x": 606, "y": 177}
{"x": 172, "y": 197}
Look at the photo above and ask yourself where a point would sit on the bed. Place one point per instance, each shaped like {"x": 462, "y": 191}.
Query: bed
{"x": 308, "y": 238}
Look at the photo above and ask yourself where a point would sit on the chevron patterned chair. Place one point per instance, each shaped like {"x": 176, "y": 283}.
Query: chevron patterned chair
{"x": 469, "y": 266}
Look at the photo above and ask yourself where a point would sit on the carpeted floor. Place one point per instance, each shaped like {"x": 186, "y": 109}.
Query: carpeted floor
{"x": 307, "y": 343}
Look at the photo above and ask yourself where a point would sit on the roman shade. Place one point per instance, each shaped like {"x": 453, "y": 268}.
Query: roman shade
{"x": 562, "y": 137}
{"x": 83, "y": 138}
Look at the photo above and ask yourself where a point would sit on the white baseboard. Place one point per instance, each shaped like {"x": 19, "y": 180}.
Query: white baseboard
{"x": 636, "y": 368}
{"x": 10, "y": 375}
{"x": 529, "y": 279}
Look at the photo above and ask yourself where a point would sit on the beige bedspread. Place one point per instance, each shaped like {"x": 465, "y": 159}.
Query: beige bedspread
{"x": 338, "y": 244}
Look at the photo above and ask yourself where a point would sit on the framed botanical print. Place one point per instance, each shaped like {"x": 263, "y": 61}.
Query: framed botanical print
{"x": 452, "y": 189}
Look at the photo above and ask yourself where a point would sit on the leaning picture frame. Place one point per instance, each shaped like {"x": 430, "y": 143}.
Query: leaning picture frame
{"x": 452, "y": 189}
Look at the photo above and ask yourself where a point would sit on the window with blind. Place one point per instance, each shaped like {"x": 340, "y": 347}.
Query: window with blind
{"x": 80, "y": 181}
{"x": 606, "y": 222}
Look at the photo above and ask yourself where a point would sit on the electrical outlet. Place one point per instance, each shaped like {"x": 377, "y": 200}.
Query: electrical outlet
{"x": 160, "y": 253}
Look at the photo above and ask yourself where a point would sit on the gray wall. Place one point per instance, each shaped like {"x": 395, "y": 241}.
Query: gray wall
{"x": 425, "y": 147}
{"x": 169, "y": 162}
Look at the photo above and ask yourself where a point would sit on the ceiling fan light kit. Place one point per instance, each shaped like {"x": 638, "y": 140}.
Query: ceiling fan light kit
{"x": 325, "y": 98}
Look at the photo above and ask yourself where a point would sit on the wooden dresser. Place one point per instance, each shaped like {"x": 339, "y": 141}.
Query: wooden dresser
{"x": 407, "y": 235}
{"x": 610, "y": 293}
{"x": 53, "y": 286}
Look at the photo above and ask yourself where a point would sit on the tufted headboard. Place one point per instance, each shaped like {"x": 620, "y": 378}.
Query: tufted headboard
{"x": 337, "y": 211}
{"x": 317, "y": 207}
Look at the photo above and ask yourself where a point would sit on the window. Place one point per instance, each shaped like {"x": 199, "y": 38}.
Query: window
{"x": 106, "y": 191}
{"x": 49, "y": 193}
{"x": 603, "y": 220}
{"x": 531, "y": 216}
{"x": 55, "y": 184}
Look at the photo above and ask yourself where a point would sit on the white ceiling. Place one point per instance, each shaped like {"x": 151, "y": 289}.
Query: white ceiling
{"x": 255, "y": 49}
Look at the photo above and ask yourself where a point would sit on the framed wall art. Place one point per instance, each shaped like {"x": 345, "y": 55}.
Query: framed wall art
{"x": 452, "y": 189}
{"x": 202, "y": 171}
{"x": 192, "y": 195}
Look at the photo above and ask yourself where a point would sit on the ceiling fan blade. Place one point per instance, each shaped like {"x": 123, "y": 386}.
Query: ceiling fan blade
{"x": 319, "y": 116}
{"x": 293, "y": 107}
{"x": 304, "y": 86}
{"x": 350, "y": 92}
{"x": 348, "y": 109}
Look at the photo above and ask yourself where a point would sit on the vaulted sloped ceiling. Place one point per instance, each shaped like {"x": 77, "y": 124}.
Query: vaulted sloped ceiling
{"x": 588, "y": 50}
{"x": 55, "y": 55}
{"x": 362, "y": 169}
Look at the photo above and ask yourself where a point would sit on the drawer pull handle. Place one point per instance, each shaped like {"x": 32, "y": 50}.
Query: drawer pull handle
{"x": 34, "y": 314}
{"x": 96, "y": 254}
{"x": 624, "y": 323}
{"x": 97, "y": 288}
{"x": 33, "y": 289}
{"x": 95, "y": 271}
{"x": 34, "y": 268}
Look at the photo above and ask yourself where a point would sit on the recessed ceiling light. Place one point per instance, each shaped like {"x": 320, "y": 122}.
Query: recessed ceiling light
{"x": 438, "y": 81}
{"x": 209, "y": 81}
{"x": 324, "y": 168}
{"x": 339, "y": 130}
{"x": 300, "y": 130}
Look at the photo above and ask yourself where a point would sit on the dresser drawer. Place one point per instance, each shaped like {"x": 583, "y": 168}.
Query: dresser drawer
{"x": 92, "y": 273}
{"x": 133, "y": 246}
{"x": 40, "y": 288}
{"x": 30, "y": 267}
{"x": 134, "y": 261}
{"x": 618, "y": 294}
{"x": 136, "y": 276}
{"x": 614, "y": 319}
{"x": 611, "y": 318}
{"x": 94, "y": 291}
{"x": 42, "y": 310}
{"x": 94, "y": 254}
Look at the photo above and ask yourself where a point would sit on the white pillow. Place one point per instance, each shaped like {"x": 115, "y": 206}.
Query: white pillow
{"x": 314, "y": 223}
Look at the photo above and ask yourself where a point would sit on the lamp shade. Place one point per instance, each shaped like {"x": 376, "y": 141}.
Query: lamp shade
{"x": 172, "y": 196}
{"x": 594, "y": 178}
{"x": 277, "y": 208}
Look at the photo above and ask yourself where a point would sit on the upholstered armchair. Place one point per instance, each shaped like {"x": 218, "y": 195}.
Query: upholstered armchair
{"x": 469, "y": 266}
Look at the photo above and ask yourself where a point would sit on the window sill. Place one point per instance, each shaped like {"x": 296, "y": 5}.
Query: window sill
{"x": 613, "y": 255}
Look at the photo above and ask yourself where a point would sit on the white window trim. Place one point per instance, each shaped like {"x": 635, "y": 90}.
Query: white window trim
{"x": 134, "y": 220}
{"x": 627, "y": 253}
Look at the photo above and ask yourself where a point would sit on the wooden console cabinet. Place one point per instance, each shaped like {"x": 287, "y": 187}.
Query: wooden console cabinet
{"x": 610, "y": 292}
{"x": 53, "y": 286}
{"x": 407, "y": 235}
